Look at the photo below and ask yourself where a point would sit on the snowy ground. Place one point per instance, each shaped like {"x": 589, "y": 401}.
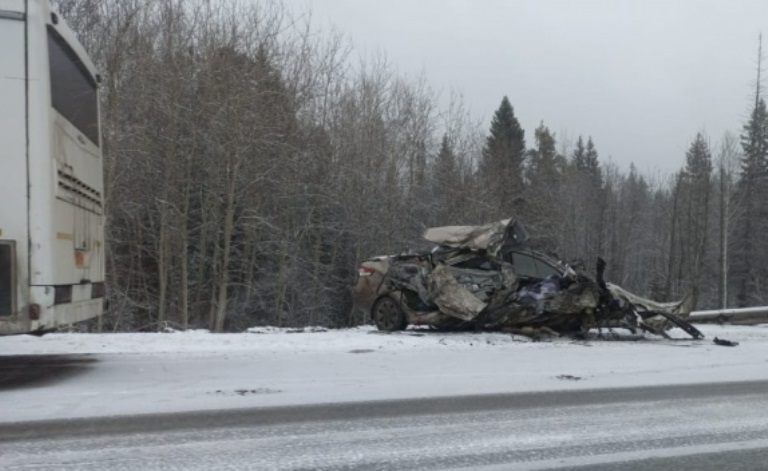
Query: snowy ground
{"x": 171, "y": 372}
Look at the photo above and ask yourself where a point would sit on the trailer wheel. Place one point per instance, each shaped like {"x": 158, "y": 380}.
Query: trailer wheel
{"x": 388, "y": 314}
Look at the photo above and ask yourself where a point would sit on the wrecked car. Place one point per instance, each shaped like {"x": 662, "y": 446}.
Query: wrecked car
{"x": 487, "y": 278}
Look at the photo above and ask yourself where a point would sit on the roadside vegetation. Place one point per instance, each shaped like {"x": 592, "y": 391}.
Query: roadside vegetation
{"x": 253, "y": 160}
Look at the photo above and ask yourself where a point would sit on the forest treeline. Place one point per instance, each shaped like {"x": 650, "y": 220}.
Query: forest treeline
{"x": 252, "y": 161}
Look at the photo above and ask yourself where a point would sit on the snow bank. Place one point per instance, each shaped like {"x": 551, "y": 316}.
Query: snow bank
{"x": 195, "y": 370}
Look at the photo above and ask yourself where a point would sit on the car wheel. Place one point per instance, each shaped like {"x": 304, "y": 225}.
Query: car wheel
{"x": 388, "y": 315}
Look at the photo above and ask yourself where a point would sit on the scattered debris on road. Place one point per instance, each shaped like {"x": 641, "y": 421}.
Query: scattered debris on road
{"x": 724, "y": 343}
{"x": 248, "y": 392}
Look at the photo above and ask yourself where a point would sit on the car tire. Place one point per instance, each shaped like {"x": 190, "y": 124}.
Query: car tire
{"x": 388, "y": 315}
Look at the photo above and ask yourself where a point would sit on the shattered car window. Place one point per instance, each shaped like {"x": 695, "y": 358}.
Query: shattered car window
{"x": 529, "y": 266}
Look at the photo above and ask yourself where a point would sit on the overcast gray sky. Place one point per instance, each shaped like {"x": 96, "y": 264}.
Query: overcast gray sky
{"x": 642, "y": 77}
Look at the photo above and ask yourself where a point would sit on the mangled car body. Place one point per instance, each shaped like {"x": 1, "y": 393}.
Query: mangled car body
{"x": 485, "y": 277}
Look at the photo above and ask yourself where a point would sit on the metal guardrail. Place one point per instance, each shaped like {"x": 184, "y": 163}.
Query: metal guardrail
{"x": 747, "y": 315}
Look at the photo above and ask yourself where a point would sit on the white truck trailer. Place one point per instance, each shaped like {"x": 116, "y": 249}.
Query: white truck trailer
{"x": 52, "y": 248}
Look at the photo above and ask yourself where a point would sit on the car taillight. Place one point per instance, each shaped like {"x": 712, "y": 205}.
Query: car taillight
{"x": 365, "y": 271}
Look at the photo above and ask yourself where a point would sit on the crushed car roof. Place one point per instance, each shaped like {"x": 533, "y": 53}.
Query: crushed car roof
{"x": 493, "y": 237}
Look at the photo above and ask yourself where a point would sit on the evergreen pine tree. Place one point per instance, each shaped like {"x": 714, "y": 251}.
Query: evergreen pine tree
{"x": 543, "y": 166}
{"x": 584, "y": 160}
{"x": 445, "y": 166}
{"x": 578, "y": 158}
{"x": 501, "y": 162}
{"x": 754, "y": 142}
{"x": 694, "y": 233}
{"x": 750, "y": 256}
{"x": 698, "y": 159}
{"x": 447, "y": 182}
{"x": 592, "y": 165}
{"x": 544, "y": 174}
{"x": 593, "y": 196}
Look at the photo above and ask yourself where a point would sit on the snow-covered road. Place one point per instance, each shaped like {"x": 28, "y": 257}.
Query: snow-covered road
{"x": 701, "y": 427}
{"x": 173, "y": 372}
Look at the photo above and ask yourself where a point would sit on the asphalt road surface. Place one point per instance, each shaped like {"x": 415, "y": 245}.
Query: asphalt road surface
{"x": 702, "y": 427}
